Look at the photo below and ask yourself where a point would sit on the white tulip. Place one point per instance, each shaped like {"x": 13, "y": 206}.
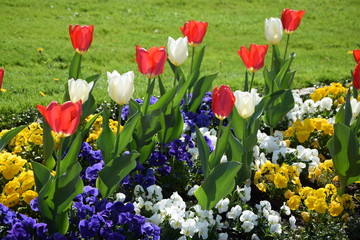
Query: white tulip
{"x": 245, "y": 103}
{"x": 79, "y": 90}
{"x": 177, "y": 50}
{"x": 273, "y": 30}
{"x": 121, "y": 87}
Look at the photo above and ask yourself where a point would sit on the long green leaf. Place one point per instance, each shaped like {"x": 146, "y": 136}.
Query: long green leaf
{"x": 217, "y": 185}
{"x": 106, "y": 139}
{"x": 221, "y": 147}
{"x": 6, "y": 138}
{"x": 41, "y": 175}
{"x": 115, "y": 171}
{"x": 127, "y": 132}
{"x": 344, "y": 150}
{"x": 204, "y": 152}
{"x": 201, "y": 87}
{"x": 172, "y": 125}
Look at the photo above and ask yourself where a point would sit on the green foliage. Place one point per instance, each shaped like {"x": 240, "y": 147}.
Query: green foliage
{"x": 217, "y": 185}
{"x": 57, "y": 192}
{"x": 115, "y": 171}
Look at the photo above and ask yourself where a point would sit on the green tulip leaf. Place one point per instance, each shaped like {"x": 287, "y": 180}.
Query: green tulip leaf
{"x": 217, "y": 185}
{"x": 127, "y": 133}
{"x": 116, "y": 170}
{"x": 6, "y": 138}
{"x": 172, "y": 125}
{"x": 106, "y": 140}
{"x": 201, "y": 87}
{"x": 204, "y": 152}
{"x": 344, "y": 150}
{"x": 221, "y": 147}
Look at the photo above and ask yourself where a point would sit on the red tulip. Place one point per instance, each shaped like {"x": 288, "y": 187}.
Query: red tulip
{"x": 63, "y": 119}
{"x": 254, "y": 57}
{"x": 81, "y": 37}
{"x": 356, "y": 54}
{"x": 194, "y": 31}
{"x": 291, "y": 19}
{"x": 356, "y": 75}
{"x": 1, "y": 76}
{"x": 223, "y": 101}
{"x": 151, "y": 63}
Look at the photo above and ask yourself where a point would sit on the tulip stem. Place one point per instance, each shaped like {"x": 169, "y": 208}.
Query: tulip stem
{"x": 217, "y": 137}
{"x": 58, "y": 159}
{"x": 149, "y": 92}
{"x": 273, "y": 68}
{"x": 175, "y": 75}
{"x": 252, "y": 79}
{"x": 287, "y": 43}
{"x": 192, "y": 59}
{"x": 118, "y": 132}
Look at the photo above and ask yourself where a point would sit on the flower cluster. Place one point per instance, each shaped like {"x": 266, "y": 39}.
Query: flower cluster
{"x": 96, "y": 128}
{"x": 28, "y": 140}
{"x": 336, "y": 91}
{"x": 272, "y": 176}
{"x": 311, "y": 201}
{"x": 18, "y": 180}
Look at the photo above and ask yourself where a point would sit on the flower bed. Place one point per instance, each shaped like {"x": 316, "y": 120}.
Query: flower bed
{"x": 188, "y": 164}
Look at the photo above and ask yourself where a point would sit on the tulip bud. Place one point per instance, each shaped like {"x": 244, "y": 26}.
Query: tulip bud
{"x": 194, "y": 31}
{"x": 356, "y": 54}
{"x": 253, "y": 58}
{"x": 273, "y": 30}
{"x": 63, "y": 119}
{"x": 356, "y": 77}
{"x": 177, "y": 50}
{"x": 79, "y": 90}
{"x": 291, "y": 19}
{"x": 222, "y": 101}
{"x": 81, "y": 37}
{"x": 1, "y": 76}
{"x": 151, "y": 62}
{"x": 121, "y": 87}
{"x": 245, "y": 103}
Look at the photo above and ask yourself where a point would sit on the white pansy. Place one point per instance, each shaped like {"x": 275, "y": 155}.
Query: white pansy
{"x": 154, "y": 192}
{"x": 245, "y": 103}
{"x": 79, "y": 89}
{"x": 292, "y": 221}
{"x": 223, "y": 236}
{"x": 139, "y": 191}
{"x": 121, "y": 87}
{"x": 325, "y": 104}
{"x": 202, "y": 227}
{"x": 148, "y": 205}
{"x": 273, "y": 30}
{"x": 254, "y": 237}
{"x": 244, "y": 193}
{"x": 223, "y": 205}
{"x": 176, "y": 222}
{"x": 188, "y": 228}
{"x": 120, "y": 197}
{"x": 247, "y": 226}
{"x": 249, "y": 216}
{"x": 177, "y": 50}
{"x": 276, "y": 228}
{"x": 192, "y": 190}
{"x": 234, "y": 212}
{"x": 285, "y": 209}
{"x": 273, "y": 219}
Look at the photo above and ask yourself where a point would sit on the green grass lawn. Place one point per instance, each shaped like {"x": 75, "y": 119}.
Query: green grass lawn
{"x": 328, "y": 30}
